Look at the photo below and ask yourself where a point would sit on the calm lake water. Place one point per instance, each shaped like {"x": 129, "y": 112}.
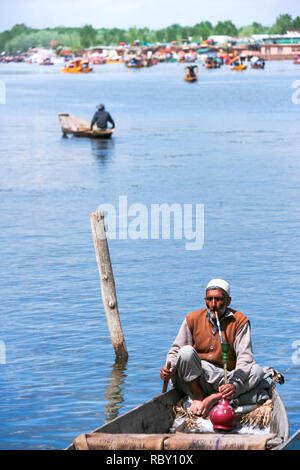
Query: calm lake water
{"x": 229, "y": 142}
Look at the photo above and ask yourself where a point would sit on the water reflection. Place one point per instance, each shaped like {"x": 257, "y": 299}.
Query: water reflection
{"x": 102, "y": 148}
{"x": 113, "y": 391}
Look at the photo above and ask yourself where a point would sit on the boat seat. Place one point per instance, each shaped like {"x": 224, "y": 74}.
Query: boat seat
{"x": 177, "y": 441}
{"x": 105, "y": 441}
{"x": 218, "y": 441}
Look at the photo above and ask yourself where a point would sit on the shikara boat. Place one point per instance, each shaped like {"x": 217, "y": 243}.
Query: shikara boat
{"x": 257, "y": 63}
{"x": 47, "y": 61}
{"x": 79, "y": 127}
{"x": 212, "y": 63}
{"x": 191, "y": 73}
{"x": 148, "y": 426}
{"x": 238, "y": 63}
{"x": 77, "y": 66}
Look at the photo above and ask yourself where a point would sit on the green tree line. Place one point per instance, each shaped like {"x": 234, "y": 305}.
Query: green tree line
{"x": 21, "y": 37}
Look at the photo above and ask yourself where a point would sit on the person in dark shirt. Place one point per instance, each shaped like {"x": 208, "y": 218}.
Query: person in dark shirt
{"x": 101, "y": 118}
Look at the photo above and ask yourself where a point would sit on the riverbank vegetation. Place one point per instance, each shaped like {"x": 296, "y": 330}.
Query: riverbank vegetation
{"x": 22, "y": 37}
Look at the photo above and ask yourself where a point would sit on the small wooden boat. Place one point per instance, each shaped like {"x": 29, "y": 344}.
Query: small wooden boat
{"x": 79, "y": 127}
{"x": 77, "y": 66}
{"x": 147, "y": 427}
{"x": 213, "y": 63}
{"x": 191, "y": 73}
{"x": 47, "y": 61}
{"x": 257, "y": 63}
{"x": 238, "y": 63}
{"x": 134, "y": 63}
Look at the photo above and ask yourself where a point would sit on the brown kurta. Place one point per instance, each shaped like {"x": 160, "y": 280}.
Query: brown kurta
{"x": 206, "y": 338}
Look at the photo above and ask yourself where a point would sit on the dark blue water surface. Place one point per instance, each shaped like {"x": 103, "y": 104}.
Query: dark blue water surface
{"x": 229, "y": 142}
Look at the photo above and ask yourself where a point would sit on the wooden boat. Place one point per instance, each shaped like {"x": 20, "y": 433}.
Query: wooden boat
{"x": 47, "y": 61}
{"x": 238, "y": 63}
{"x": 77, "y": 66}
{"x": 79, "y": 127}
{"x": 191, "y": 73}
{"x": 296, "y": 59}
{"x": 213, "y": 63}
{"x": 147, "y": 427}
{"x": 135, "y": 63}
{"x": 257, "y": 63}
{"x": 114, "y": 61}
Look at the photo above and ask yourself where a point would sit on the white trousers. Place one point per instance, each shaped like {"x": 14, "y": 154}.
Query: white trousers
{"x": 189, "y": 367}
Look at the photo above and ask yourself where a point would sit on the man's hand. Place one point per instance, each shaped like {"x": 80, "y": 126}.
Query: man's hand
{"x": 227, "y": 391}
{"x": 165, "y": 373}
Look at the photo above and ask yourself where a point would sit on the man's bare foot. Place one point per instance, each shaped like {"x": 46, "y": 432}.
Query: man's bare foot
{"x": 208, "y": 404}
{"x": 203, "y": 407}
{"x": 196, "y": 407}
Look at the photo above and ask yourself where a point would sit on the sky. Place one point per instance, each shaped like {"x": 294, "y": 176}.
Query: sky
{"x": 154, "y": 14}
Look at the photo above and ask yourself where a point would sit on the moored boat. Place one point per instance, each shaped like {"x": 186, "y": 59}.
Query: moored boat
{"x": 135, "y": 62}
{"x": 257, "y": 63}
{"x": 296, "y": 59}
{"x": 149, "y": 427}
{"x": 79, "y": 127}
{"x": 47, "y": 61}
{"x": 213, "y": 63}
{"x": 77, "y": 66}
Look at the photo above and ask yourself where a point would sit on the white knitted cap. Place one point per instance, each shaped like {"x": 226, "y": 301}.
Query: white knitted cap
{"x": 219, "y": 283}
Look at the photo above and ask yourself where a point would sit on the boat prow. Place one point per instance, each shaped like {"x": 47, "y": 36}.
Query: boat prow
{"x": 74, "y": 125}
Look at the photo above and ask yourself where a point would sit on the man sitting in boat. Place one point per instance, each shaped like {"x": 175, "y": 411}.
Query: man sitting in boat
{"x": 196, "y": 356}
{"x": 101, "y": 118}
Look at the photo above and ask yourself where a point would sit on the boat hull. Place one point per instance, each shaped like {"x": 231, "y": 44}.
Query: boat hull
{"x": 79, "y": 127}
{"x": 190, "y": 79}
{"x": 239, "y": 67}
{"x": 156, "y": 416}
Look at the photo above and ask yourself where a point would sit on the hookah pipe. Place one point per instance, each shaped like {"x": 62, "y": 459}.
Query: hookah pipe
{"x": 225, "y": 349}
{"x": 223, "y": 416}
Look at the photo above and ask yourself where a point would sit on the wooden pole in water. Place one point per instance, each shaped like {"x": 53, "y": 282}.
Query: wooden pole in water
{"x": 107, "y": 283}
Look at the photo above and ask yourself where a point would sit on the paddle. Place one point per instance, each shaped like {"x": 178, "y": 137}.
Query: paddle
{"x": 165, "y": 385}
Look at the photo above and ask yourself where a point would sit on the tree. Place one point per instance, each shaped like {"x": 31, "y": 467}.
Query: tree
{"x": 202, "y": 30}
{"x": 87, "y": 35}
{"x": 296, "y": 23}
{"x": 283, "y": 24}
{"x": 173, "y": 33}
{"x": 254, "y": 28}
{"x": 19, "y": 29}
{"x": 226, "y": 28}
